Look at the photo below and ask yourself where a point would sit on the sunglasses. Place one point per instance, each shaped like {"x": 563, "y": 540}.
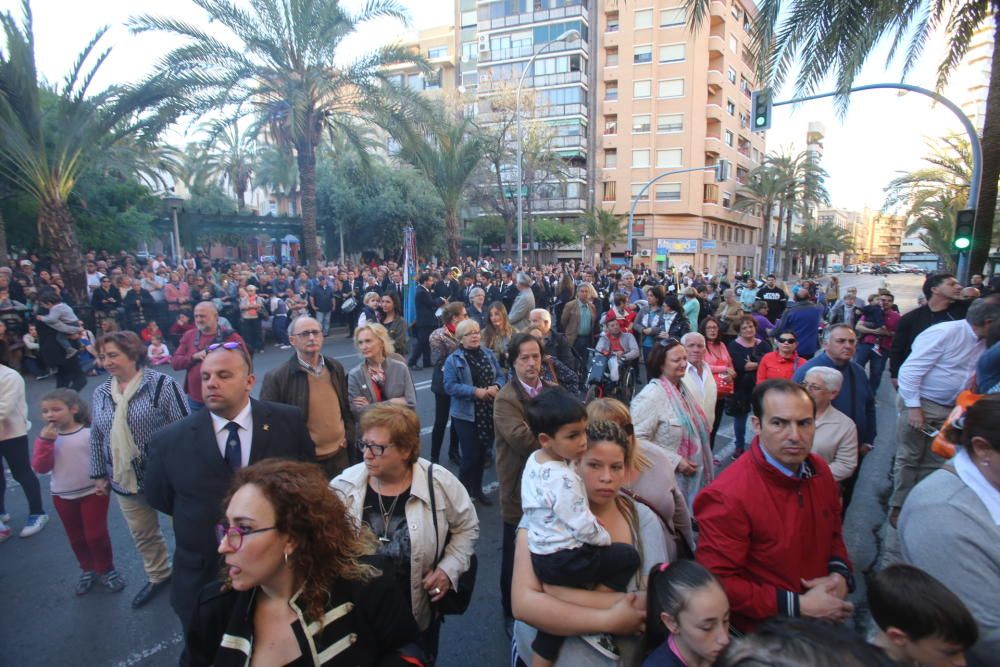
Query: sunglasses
{"x": 233, "y": 535}
{"x": 787, "y": 341}
{"x": 231, "y": 345}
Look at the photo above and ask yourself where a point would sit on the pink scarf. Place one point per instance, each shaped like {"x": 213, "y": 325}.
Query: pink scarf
{"x": 695, "y": 428}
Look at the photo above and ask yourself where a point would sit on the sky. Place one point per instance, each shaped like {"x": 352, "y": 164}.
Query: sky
{"x": 882, "y": 133}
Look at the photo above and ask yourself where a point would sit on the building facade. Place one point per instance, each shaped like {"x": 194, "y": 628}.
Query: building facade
{"x": 885, "y": 236}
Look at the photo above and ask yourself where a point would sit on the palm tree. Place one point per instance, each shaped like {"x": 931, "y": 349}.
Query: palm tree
{"x": 803, "y": 190}
{"x": 277, "y": 172}
{"x": 763, "y": 189}
{"x": 50, "y": 135}
{"x": 446, "y": 149}
{"x": 228, "y": 157}
{"x": 278, "y": 59}
{"x": 935, "y": 226}
{"x": 816, "y": 241}
{"x": 818, "y": 38}
{"x": 604, "y": 228}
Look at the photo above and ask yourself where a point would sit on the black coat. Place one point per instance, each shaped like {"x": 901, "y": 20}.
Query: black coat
{"x": 187, "y": 478}
{"x": 427, "y": 305}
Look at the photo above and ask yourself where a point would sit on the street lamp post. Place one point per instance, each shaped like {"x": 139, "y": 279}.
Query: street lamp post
{"x": 573, "y": 32}
{"x": 583, "y": 249}
{"x": 174, "y": 203}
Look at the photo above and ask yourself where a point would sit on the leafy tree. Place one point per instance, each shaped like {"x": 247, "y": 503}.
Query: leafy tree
{"x": 487, "y": 228}
{"x": 817, "y": 240}
{"x": 276, "y": 171}
{"x": 44, "y": 148}
{"x": 819, "y": 38}
{"x": 763, "y": 189}
{"x": 605, "y": 229}
{"x": 551, "y": 233}
{"x": 278, "y": 59}
{"x": 446, "y": 148}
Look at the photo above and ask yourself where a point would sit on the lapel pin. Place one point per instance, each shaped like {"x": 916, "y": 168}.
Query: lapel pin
{"x": 265, "y": 427}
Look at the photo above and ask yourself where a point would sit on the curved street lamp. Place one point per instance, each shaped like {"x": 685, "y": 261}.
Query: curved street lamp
{"x": 572, "y": 32}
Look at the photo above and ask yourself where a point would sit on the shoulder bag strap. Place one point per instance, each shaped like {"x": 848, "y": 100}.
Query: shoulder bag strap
{"x": 434, "y": 517}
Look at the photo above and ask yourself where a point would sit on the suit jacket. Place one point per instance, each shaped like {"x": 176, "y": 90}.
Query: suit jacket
{"x": 427, "y": 304}
{"x": 523, "y": 305}
{"x": 570, "y": 320}
{"x": 187, "y": 478}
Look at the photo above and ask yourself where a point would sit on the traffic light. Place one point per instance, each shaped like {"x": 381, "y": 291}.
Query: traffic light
{"x": 963, "y": 228}
{"x": 760, "y": 109}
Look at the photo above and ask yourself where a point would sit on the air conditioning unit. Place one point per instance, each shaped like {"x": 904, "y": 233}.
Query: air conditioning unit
{"x": 645, "y": 252}
{"x": 484, "y": 43}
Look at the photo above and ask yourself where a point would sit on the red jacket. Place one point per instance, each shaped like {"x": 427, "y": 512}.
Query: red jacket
{"x": 762, "y": 532}
{"x": 192, "y": 343}
{"x": 773, "y": 365}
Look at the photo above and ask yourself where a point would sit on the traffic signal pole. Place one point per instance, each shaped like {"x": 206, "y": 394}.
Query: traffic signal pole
{"x": 970, "y": 129}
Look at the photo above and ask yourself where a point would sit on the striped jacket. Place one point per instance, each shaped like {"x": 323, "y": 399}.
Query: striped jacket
{"x": 364, "y": 624}
{"x": 158, "y": 402}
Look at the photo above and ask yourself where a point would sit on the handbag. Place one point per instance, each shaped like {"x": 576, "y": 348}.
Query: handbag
{"x": 454, "y": 602}
{"x": 724, "y": 384}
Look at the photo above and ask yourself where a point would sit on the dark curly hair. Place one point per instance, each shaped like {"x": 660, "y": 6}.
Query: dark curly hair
{"x": 330, "y": 546}
{"x": 609, "y": 431}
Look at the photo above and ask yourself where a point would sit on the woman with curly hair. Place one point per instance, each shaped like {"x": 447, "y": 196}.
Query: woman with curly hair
{"x": 300, "y": 585}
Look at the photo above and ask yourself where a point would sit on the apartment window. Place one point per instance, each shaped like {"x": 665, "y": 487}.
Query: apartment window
{"x": 272, "y": 207}
{"x": 643, "y": 19}
{"x": 729, "y": 138}
{"x": 611, "y": 59}
{"x": 744, "y": 121}
{"x": 642, "y": 54}
{"x": 732, "y": 76}
{"x": 642, "y": 89}
{"x": 668, "y": 192}
{"x": 438, "y": 52}
{"x": 704, "y": 230}
{"x": 470, "y": 51}
{"x": 640, "y": 123}
{"x": 734, "y": 44}
{"x": 613, "y": 23}
{"x": 609, "y": 191}
{"x": 750, "y": 236}
{"x": 715, "y": 232}
{"x": 671, "y": 17}
{"x": 610, "y": 158}
{"x": 755, "y": 155}
{"x": 672, "y": 53}
{"x": 729, "y": 232}
{"x": 669, "y": 123}
{"x": 669, "y": 157}
{"x": 469, "y": 18}
{"x": 746, "y": 23}
{"x": 670, "y": 88}
{"x": 470, "y": 79}
{"x": 636, "y": 187}
{"x": 611, "y": 125}
{"x": 730, "y": 107}
{"x": 639, "y": 226}
{"x": 727, "y": 202}
{"x": 611, "y": 92}
{"x": 640, "y": 159}
{"x": 415, "y": 82}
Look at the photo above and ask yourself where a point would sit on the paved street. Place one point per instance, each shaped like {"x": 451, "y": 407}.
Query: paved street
{"x": 43, "y": 623}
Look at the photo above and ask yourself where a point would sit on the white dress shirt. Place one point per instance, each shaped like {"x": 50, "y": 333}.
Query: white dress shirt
{"x": 702, "y": 386}
{"x": 941, "y": 364}
{"x": 245, "y": 421}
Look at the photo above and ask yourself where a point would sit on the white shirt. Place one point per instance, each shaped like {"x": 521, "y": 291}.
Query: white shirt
{"x": 702, "y": 387}
{"x": 941, "y": 364}
{"x": 245, "y": 421}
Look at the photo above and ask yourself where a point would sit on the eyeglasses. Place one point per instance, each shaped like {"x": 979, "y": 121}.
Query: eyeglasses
{"x": 233, "y": 535}
{"x": 787, "y": 341}
{"x": 812, "y": 386}
{"x": 376, "y": 450}
{"x": 312, "y": 333}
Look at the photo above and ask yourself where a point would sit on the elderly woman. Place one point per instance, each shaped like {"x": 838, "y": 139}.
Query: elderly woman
{"x": 382, "y": 375}
{"x": 949, "y": 528}
{"x": 477, "y": 306}
{"x": 106, "y": 300}
{"x": 394, "y": 492}
{"x": 128, "y": 408}
{"x": 442, "y": 343}
{"x": 668, "y": 415}
{"x": 472, "y": 378}
{"x": 729, "y": 314}
{"x": 177, "y": 294}
{"x": 604, "y": 468}
{"x": 650, "y": 479}
{"x": 498, "y": 332}
{"x": 836, "y": 439}
{"x": 721, "y": 364}
{"x": 393, "y": 321}
{"x": 300, "y": 585}
{"x": 746, "y": 352}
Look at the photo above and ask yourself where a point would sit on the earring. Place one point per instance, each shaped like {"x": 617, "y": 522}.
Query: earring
{"x": 286, "y": 558}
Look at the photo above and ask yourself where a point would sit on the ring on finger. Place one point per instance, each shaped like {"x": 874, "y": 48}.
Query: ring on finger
{"x": 437, "y": 591}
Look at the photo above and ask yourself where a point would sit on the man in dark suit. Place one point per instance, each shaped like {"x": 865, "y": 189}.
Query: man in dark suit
{"x": 191, "y": 463}
{"x": 427, "y": 304}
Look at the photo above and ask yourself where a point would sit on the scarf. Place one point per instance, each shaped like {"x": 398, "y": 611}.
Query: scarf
{"x": 123, "y": 449}
{"x": 695, "y": 429}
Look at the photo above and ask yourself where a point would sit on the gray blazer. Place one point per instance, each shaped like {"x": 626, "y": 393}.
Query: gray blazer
{"x": 519, "y": 310}
{"x": 398, "y": 384}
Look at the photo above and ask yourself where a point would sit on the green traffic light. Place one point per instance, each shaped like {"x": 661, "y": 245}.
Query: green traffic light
{"x": 962, "y": 243}
{"x": 761, "y": 120}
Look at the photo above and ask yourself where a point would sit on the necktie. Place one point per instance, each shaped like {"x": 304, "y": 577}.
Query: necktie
{"x": 234, "y": 454}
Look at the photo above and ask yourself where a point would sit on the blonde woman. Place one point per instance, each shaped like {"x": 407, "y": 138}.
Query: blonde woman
{"x": 382, "y": 375}
{"x": 498, "y": 332}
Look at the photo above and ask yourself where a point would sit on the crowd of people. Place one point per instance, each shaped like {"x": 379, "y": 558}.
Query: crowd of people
{"x": 308, "y": 529}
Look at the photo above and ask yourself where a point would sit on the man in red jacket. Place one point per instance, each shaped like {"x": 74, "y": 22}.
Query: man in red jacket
{"x": 192, "y": 349}
{"x": 769, "y": 526}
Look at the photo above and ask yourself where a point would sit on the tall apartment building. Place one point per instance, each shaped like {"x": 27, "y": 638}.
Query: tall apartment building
{"x": 556, "y": 91}
{"x": 886, "y": 235}
{"x": 970, "y": 82}
{"x": 853, "y": 224}
{"x": 440, "y": 47}
{"x": 670, "y": 99}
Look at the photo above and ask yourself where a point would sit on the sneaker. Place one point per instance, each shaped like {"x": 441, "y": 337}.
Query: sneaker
{"x": 604, "y": 644}
{"x": 85, "y": 584}
{"x": 5, "y": 532}
{"x": 113, "y": 581}
{"x": 35, "y": 523}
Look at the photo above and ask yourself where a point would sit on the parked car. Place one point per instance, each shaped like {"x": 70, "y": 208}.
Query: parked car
{"x": 850, "y": 268}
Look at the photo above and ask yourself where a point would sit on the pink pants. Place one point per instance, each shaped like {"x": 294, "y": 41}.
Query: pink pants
{"x": 86, "y": 523}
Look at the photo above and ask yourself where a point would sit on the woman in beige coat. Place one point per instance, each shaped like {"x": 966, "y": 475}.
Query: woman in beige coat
{"x": 389, "y": 493}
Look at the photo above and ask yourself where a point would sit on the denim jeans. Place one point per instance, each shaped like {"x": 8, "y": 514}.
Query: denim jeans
{"x": 740, "y": 431}
{"x": 866, "y": 354}
{"x": 324, "y": 321}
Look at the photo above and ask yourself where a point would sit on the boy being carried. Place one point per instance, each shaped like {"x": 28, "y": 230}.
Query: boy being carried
{"x": 60, "y": 317}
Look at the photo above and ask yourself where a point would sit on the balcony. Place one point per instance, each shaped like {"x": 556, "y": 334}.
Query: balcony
{"x": 716, "y": 46}
{"x": 610, "y": 5}
{"x": 561, "y": 110}
{"x": 533, "y": 17}
{"x": 713, "y": 145}
{"x": 713, "y": 112}
{"x": 570, "y": 205}
{"x": 543, "y": 81}
{"x": 717, "y": 8}
{"x": 715, "y": 79}
{"x": 575, "y": 143}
